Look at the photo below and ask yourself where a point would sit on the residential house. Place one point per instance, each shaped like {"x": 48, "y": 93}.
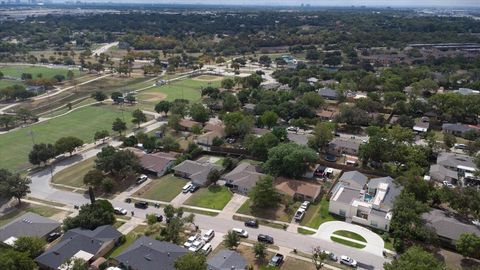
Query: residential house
{"x": 243, "y": 178}
{"x": 340, "y": 146}
{"x": 284, "y": 87}
{"x": 353, "y": 179}
{"x": 88, "y": 245}
{"x": 447, "y": 226}
{"x": 249, "y": 107}
{"x": 196, "y": 171}
{"x": 187, "y": 125}
{"x": 369, "y": 205}
{"x": 156, "y": 164}
{"x": 212, "y": 131}
{"x": 328, "y": 113}
{"x": 301, "y": 139}
{"x": 421, "y": 125}
{"x": 328, "y": 93}
{"x": 291, "y": 62}
{"x": 299, "y": 190}
{"x": 227, "y": 260}
{"x": 452, "y": 167}
{"x": 466, "y": 91}
{"x": 312, "y": 81}
{"x": 28, "y": 224}
{"x": 458, "y": 129}
{"x": 149, "y": 254}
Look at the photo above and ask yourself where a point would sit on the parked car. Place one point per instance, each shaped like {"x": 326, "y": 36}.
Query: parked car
{"x": 142, "y": 178}
{"x": 447, "y": 184}
{"x": 276, "y": 260}
{"x": 141, "y": 204}
{"x": 253, "y": 223}
{"x": 207, "y": 236}
{"x": 299, "y": 214}
{"x": 305, "y": 205}
{"x": 292, "y": 128}
{"x": 240, "y": 232}
{"x": 190, "y": 240}
{"x": 331, "y": 255}
{"x": 207, "y": 248}
{"x": 159, "y": 217}
{"x": 128, "y": 200}
{"x": 460, "y": 146}
{"x": 119, "y": 211}
{"x": 196, "y": 245}
{"x": 187, "y": 187}
{"x": 348, "y": 261}
{"x": 52, "y": 236}
{"x": 194, "y": 188}
{"x": 265, "y": 238}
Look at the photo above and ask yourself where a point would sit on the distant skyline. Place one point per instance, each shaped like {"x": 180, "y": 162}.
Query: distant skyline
{"x": 392, "y": 3}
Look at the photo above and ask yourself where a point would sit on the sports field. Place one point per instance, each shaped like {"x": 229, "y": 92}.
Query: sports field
{"x": 83, "y": 123}
{"x": 47, "y": 72}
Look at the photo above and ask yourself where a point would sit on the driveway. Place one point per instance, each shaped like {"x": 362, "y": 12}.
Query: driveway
{"x": 374, "y": 243}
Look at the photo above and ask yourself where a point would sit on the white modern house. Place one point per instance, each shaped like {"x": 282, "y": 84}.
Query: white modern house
{"x": 368, "y": 204}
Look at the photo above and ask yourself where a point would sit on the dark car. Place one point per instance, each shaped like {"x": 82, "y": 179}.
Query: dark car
{"x": 194, "y": 188}
{"x": 141, "y": 204}
{"x": 330, "y": 158}
{"x": 265, "y": 238}
{"x": 251, "y": 223}
{"x": 52, "y": 236}
{"x": 159, "y": 217}
{"x": 276, "y": 260}
{"x": 128, "y": 200}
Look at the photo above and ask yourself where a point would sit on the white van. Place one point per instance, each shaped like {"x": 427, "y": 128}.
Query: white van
{"x": 187, "y": 187}
{"x": 208, "y": 235}
{"x": 207, "y": 248}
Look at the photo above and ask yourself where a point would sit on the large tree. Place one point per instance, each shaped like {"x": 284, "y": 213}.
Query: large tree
{"x": 269, "y": 119}
{"x": 118, "y": 162}
{"x": 415, "y": 258}
{"x": 231, "y": 240}
{"x": 119, "y": 126}
{"x": 138, "y": 117}
{"x": 237, "y": 124}
{"x": 67, "y": 144}
{"x": 323, "y": 134}
{"x": 191, "y": 261}
{"x": 31, "y": 245}
{"x": 93, "y": 178}
{"x": 41, "y": 153}
{"x": 91, "y": 216}
{"x": 199, "y": 113}
{"x": 163, "y": 106}
{"x": 258, "y": 147}
{"x": 264, "y": 195}
{"x": 14, "y": 185}
{"x": 11, "y": 259}
{"x": 468, "y": 245}
{"x": 99, "y": 96}
{"x": 101, "y": 135}
{"x": 290, "y": 159}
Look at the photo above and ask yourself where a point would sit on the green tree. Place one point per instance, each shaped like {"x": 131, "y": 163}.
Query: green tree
{"x": 179, "y": 106}
{"x": 313, "y": 100}
{"x": 41, "y": 153}
{"x": 99, "y": 96}
{"x": 227, "y": 83}
{"x": 230, "y": 102}
{"x": 138, "y": 117}
{"x": 415, "y": 258}
{"x": 11, "y": 259}
{"x": 468, "y": 244}
{"x": 237, "y": 124}
{"x": 101, "y": 135}
{"x": 323, "y": 134}
{"x": 119, "y": 126}
{"x": 260, "y": 251}
{"x": 14, "y": 185}
{"x": 25, "y": 114}
{"x": 258, "y": 147}
{"x": 290, "y": 160}
{"x": 121, "y": 163}
{"x": 269, "y": 119}
{"x": 7, "y": 120}
{"x": 213, "y": 176}
{"x": 31, "y": 245}
{"x": 191, "y": 261}
{"x": 264, "y": 195}
{"x": 231, "y": 240}
{"x": 449, "y": 140}
{"x": 163, "y": 106}
{"x": 174, "y": 122}
{"x": 93, "y": 178}
{"x": 91, "y": 216}
{"x": 199, "y": 113}
{"x": 67, "y": 144}
{"x": 318, "y": 258}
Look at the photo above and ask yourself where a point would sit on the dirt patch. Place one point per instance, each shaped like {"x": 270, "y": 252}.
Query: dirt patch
{"x": 153, "y": 97}
{"x": 208, "y": 78}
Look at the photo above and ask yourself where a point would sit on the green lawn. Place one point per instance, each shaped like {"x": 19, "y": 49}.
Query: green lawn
{"x": 214, "y": 197}
{"x": 350, "y": 234}
{"x": 163, "y": 189}
{"x": 73, "y": 175}
{"x": 37, "y": 209}
{"x": 16, "y": 71}
{"x": 317, "y": 214}
{"x": 303, "y": 231}
{"x": 346, "y": 242}
{"x": 83, "y": 123}
{"x": 5, "y": 83}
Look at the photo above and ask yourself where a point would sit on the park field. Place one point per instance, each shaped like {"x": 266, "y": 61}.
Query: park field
{"x": 47, "y": 72}
{"x": 82, "y": 123}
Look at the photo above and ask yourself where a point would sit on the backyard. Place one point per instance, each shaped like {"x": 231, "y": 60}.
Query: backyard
{"x": 317, "y": 214}
{"x": 82, "y": 123}
{"x": 163, "y": 189}
{"x": 214, "y": 197}
{"x": 73, "y": 175}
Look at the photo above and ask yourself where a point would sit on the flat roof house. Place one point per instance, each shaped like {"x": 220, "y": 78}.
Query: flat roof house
{"x": 29, "y": 224}
{"x": 149, "y": 254}
{"x": 451, "y": 167}
{"x": 227, "y": 260}
{"x": 88, "y": 245}
{"x": 447, "y": 227}
{"x": 369, "y": 204}
{"x": 339, "y": 146}
{"x": 243, "y": 178}
{"x": 195, "y": 171}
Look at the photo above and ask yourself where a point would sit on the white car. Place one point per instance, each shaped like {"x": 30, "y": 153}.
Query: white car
{"x": 348, "y": 261}
{"x": 299, "y": 214}
{"x": 207, "y": 236}
{"x": 190, "y": 241}
{"x": 196, "y": 246}
{"x": 305, "y": 205}
{"x": 240, "y": 232}
{"x": 119, "y": 211}
{"x": 187, "y": 187}
{"x": 142, "y": 178}
{"x": 207, "y": 248}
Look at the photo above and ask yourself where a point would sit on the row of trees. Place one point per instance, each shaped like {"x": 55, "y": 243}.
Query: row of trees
{"x": 43, "y": 152}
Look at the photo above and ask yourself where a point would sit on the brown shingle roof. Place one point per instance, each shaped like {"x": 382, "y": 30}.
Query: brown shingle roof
{"x": 292, "y": 187}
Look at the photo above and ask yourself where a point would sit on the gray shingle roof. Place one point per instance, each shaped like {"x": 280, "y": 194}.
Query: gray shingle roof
{"x": 348, "y": 195}
{"x": 149, "y": 254}
{"x": 75, "y": 240}
{"x": 346, "y": 143}
{"x": 447, "y": 226}
{"x": 29, "y": 224}
{"x": 456, "y": 127}
{"x": 197, "y": 171}
{"x": 328, "y": 93}
{"x": 354, "y": 179}
{"x": 227, "y": 260}
{"x": 244, "y": 175}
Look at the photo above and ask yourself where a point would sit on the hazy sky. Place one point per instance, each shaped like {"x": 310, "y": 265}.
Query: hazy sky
{"x": 443, "y": 3}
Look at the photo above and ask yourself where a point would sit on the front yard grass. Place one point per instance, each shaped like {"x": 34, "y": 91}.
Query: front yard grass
{"x": 73, "y": 175}
{"x": 303, "y": 231}
{"x": 26, "y": 207}
{"x": 317, "y": 214}
{"x": 163, "y": 189}
{"x": 350, "y": 234}
{"x": 346, "y": 242}
{"x": 214, "y": 197}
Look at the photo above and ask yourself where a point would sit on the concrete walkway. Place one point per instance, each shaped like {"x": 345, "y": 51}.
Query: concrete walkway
{"x": 180, "y": 199}
{"x": 233, "y": 205}
{"x": 374, "y": 243}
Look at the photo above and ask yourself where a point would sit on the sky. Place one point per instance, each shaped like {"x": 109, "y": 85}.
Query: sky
{"x": 403, "y": 3}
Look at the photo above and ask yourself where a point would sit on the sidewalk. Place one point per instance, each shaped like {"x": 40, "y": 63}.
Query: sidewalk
{"x": 233, "y": 205}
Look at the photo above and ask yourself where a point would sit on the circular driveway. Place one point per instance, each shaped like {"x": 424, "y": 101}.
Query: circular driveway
{"x": 374, "y": 241}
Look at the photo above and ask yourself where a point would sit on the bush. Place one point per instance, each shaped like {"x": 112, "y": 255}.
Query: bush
{"x": 217, "y": 141}
{"x": 151, "y": 219}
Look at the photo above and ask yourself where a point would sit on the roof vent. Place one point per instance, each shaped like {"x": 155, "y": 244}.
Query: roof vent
{"x": 147, "y": 257}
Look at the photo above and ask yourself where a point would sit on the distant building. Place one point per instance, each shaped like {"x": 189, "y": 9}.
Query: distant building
{"x": 328, "y": 93}
{"x": 421, "y": 125}
{"x": 187, "y": 125}
{"x": 340, "y": 146}
{"x": 227, "y": 260}
{"x": 458, "y": 129}
{"x": 452, "y": 167}
{"x": 243, "y": 178}
{"x": 195, "y": 171}
{"x": 466, "y": 91}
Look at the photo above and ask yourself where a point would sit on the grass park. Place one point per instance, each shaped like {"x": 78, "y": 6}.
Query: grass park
{"x": 47, "y": 72}
{"x": 82, "y": 123}
{"x": 164, "y": 189}
{"x": 213, "y": 197}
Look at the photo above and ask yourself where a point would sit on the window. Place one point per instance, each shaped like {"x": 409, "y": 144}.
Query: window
{"x": 373, "y": 224}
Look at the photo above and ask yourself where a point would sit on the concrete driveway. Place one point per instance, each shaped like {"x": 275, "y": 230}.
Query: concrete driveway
{"x": 374, "y": 243}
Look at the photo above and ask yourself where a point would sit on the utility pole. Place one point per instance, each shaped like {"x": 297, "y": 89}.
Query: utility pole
{"x": 31, "y": 135}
